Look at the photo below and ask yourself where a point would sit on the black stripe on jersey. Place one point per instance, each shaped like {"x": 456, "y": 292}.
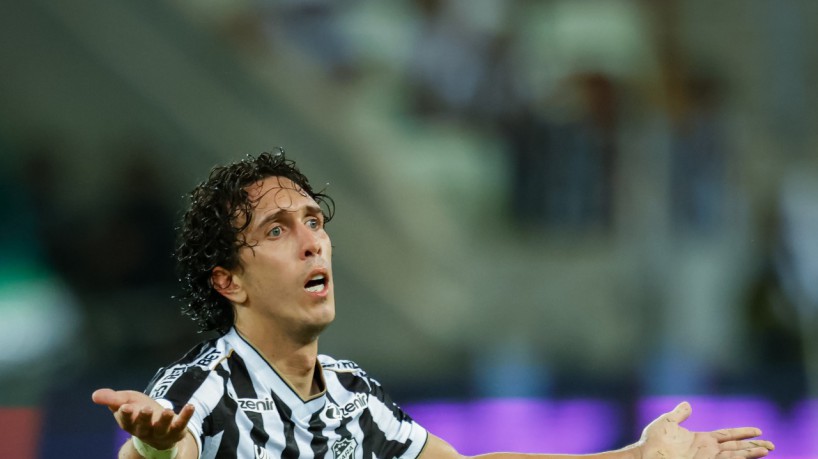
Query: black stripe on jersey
{"x": 240, "y": 379}
{"x": 291, "y": 447}
{"x": 318, "y": 444}
{"x": 223, "y": 419}
{"x": 353, "y": 383}
{"x": 181, "y": 390}
{"x": 159, "y": 374}
{"x": 375, "y": 440}
{"x": 399, "y": 414}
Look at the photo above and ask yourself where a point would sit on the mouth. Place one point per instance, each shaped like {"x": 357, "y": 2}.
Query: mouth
{"x": 317, "y": 283}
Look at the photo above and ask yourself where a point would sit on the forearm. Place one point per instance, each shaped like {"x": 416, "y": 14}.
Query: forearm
{"x": 628, "y": 452}
{"x": 436, "y": 448}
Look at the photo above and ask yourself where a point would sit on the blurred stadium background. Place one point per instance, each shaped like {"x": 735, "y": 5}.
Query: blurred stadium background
{"x": 555, "y": 219}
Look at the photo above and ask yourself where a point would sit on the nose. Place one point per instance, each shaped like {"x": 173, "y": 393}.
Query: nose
{"x": 310, "y": 243}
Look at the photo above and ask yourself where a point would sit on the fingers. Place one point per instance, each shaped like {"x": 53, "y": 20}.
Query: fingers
{"x": 737, "y": 433}
{"x": 735, "y": 443}
{"x": 161, "y": 428}
{"x": 171, "y": 424}
{"x": 163, "y": 424}
{"x": 751, "y": 453}
{"x": 746, "y": 445}
{"x": 133, "y": 419}
{"x": 180, "y": 422}
{"x": 143, "y": 424}
{"x": 745, "y": 448}
{"x": 143, "y": 417}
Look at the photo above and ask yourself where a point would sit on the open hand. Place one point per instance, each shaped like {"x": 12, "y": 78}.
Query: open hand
{"x": 664, "y": 438}
{"x": 143, "y": 417}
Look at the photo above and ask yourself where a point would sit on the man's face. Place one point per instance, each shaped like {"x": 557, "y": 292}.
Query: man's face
{"x": 286, "y": 271}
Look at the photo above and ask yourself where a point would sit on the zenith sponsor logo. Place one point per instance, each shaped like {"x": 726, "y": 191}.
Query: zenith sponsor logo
{"x": 358, "y": 404}
{"x": 251, "y": 404}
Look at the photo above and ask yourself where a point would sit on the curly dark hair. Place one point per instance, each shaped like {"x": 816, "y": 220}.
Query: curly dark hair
{"x": 211, "y": 231}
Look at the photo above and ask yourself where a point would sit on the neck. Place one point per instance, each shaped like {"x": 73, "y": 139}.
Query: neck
{"x": 294, "y": 360}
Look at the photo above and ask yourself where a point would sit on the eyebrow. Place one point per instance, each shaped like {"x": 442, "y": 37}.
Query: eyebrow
{"x": 309, "y": 209}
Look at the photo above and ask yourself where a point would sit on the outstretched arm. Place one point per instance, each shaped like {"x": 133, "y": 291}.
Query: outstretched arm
{"x": 144, "y": 418}
{"x": 663, "y": 438}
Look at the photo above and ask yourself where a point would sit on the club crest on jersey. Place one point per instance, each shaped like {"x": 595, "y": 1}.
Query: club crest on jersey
{"x": 262, "y": 453}
{"x": 336, "y": 412}
{"x": 344, "y": 448}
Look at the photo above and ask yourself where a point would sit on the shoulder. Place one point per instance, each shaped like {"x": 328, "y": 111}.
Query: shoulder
{"x": 348, "y": 375}
{"x": 339, "y": 366}
{"x": 194, "y": 367}
{"x": 207, "y": 355}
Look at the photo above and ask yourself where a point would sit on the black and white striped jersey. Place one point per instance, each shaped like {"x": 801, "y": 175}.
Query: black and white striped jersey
{"x": 245, "y": 410}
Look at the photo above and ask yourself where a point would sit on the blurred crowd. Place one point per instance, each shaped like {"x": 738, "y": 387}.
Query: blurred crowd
{"x": 568, "y": 91}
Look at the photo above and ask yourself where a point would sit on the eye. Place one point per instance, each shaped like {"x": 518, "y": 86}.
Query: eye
{"x": 275, "y": 231}
{"x": 314, "y": 223}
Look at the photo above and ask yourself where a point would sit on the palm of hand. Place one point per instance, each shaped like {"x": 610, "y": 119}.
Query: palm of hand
{"x": 143, "y": 417}
{"x": 664, "y": 438}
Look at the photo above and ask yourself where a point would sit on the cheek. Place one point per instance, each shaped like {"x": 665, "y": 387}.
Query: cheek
{"x": 267, "y": 273}
{"x": 327, "y": 243}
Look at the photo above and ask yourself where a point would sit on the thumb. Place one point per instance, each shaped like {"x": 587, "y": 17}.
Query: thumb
{"x": 111, "y": 398}
{"x": 680, "y": 413}
{"x": 104, "y": 396}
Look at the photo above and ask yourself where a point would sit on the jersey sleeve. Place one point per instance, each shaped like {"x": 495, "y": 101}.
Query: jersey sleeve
{"x": 407, "y": 436}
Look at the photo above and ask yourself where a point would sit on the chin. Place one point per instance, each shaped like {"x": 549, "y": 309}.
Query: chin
{"x": 320, "y": 323}
{"x": 311, "y": 332}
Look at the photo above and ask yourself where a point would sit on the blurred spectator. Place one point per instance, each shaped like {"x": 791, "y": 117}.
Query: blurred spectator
{"x": 565, "y": 157}
{"x": 796, "y": 260}
{"x": 40, "y": 182}
{"x": 314, "y": 27}
{"x": 503, "y": 92}
{"x": 775, "y": 344}
{"x": 698, "y": 159}
{"x": 447, "y": 62}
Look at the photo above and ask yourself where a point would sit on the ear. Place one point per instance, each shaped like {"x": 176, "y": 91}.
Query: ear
{"x": 228, "y": 285}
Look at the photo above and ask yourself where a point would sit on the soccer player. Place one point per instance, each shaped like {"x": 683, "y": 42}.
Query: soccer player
{"x": 255, "y": 264}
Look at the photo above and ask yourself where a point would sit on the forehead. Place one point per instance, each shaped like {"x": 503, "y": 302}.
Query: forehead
{"x": 274, "y": 193}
